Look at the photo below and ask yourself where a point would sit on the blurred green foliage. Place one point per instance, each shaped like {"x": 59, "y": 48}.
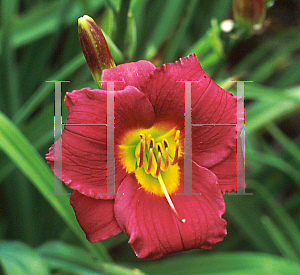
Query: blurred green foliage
{"x": 38, "y": 43}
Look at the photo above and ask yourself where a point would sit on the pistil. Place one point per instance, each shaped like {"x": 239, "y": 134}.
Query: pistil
{"x": 156, "y": 166}
{"x": 162, "y": 184}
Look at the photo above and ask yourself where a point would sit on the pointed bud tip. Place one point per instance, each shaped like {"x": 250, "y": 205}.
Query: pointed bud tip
{"x": 85, "y": 19}
{"x": 94, "y": 47}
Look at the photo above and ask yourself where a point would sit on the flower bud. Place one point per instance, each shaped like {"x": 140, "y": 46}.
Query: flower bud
{"x": 248, "y": 13}
{"x": 94, "y": 47}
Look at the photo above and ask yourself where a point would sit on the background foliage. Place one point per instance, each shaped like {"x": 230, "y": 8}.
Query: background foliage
{"x": 38, "y": 42}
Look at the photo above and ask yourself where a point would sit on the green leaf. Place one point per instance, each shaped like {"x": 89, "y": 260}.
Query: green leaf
{"x": 179, "y": 37}
{"x": 24, "y": 155}
{"x": 245, "y": 213}
{"x": 43, "y": 19}
{"x": 65, "y": 252}
{"x": 271, "y": 159}
{"x": 167, "y": 21}
{"x": 225, "y": 264}
{"x": 114, "y": 5}
{"x": 131, "y": 37}
{"x": 122, "y": 24}
{"x": 209, "y": 48}
{"x": 285, "y": 222}
{"x": 10, "y": 75}
{"x": 46, "y": 88}
{"x": 73, "y": 259}
{"x": 260, "y": 114}
{"x": 279, "y": 239}
{"x": 17, "y": 258}
{"x": 284, "y": 141}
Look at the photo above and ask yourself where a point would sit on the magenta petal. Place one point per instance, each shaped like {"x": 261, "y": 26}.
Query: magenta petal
{"x": 84, "y": 165}
{"x": 129, "y": 74}
{"x": 210, "y": 105}
{"x": 215, "y": 130}
{"x": 95, "y": 216}
{"x": 133, "y": 110}
{"x": 153, "y": 229}
{"x": 229, "y": 177}
{"x": 84, "y": 159}
{"x": 166, "y": 90}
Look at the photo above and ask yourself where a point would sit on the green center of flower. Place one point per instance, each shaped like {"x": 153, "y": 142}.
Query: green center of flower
{"x": 152, "y": 154}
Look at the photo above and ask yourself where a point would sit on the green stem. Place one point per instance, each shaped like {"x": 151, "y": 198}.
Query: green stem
{"x": 122, "y": 24}
{"x": 8, "y": 61}
{"x": 112, "y": 7}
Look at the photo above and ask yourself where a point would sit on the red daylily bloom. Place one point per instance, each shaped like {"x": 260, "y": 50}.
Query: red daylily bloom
{"x": 149, "y": 135}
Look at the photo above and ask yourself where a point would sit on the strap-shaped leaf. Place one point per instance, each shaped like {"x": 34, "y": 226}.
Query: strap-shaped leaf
{"x": 25, "y": 156}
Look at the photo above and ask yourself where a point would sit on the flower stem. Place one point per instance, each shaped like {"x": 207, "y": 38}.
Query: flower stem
{"x": 122, "y": 24}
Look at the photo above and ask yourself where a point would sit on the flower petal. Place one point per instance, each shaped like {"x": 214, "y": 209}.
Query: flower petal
{"x": 133, "y": 74}
{"x": 153, "y": 229}
{"x": 210, "y": 105}
{"x": 95, "y": 216}
{"x": 84, "y": 137}
{"x": 230, "y": 179}
{"x": 133, "y": 110}
{"x": 215, "y": 137}
{"x": 166, "y": 90}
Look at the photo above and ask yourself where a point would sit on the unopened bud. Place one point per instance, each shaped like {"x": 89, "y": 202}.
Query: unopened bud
{"x": 248, "y": 13}
{"x": 94, "y": 47}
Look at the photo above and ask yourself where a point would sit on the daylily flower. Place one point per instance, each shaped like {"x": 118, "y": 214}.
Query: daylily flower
{"x": 149, "y": 157}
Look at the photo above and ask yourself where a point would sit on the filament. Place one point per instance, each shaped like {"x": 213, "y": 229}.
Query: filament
{"x": 162, "y": 184}
{"x": 175, "y": 160}
{"x": 150, "y": 156}
{"x": 142, "y": 151}
{"x": 158, "y": 161}
{"x": 166, "y": 147}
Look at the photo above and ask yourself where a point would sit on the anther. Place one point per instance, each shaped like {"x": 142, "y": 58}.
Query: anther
{"x": 151, "y": 144}
{"x": 165, "y": 145}
{"x": 142, "y": 150}
{"x": 158, "y": 161}
{"x": 175, "y": 160}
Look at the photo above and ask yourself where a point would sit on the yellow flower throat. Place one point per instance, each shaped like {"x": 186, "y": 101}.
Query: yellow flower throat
{"x": 152, "y": 154}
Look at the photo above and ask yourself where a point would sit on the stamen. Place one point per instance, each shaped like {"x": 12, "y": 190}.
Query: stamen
{"x": 148, "y": 140}
{"x": 165, "y": 144}
{"x": 142, "y": 150}
{"x": 162, "y": 184}
{"x": 150, "y": 155}
{"x": 175, "y": 160}
{"x": 158, "y": 161}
